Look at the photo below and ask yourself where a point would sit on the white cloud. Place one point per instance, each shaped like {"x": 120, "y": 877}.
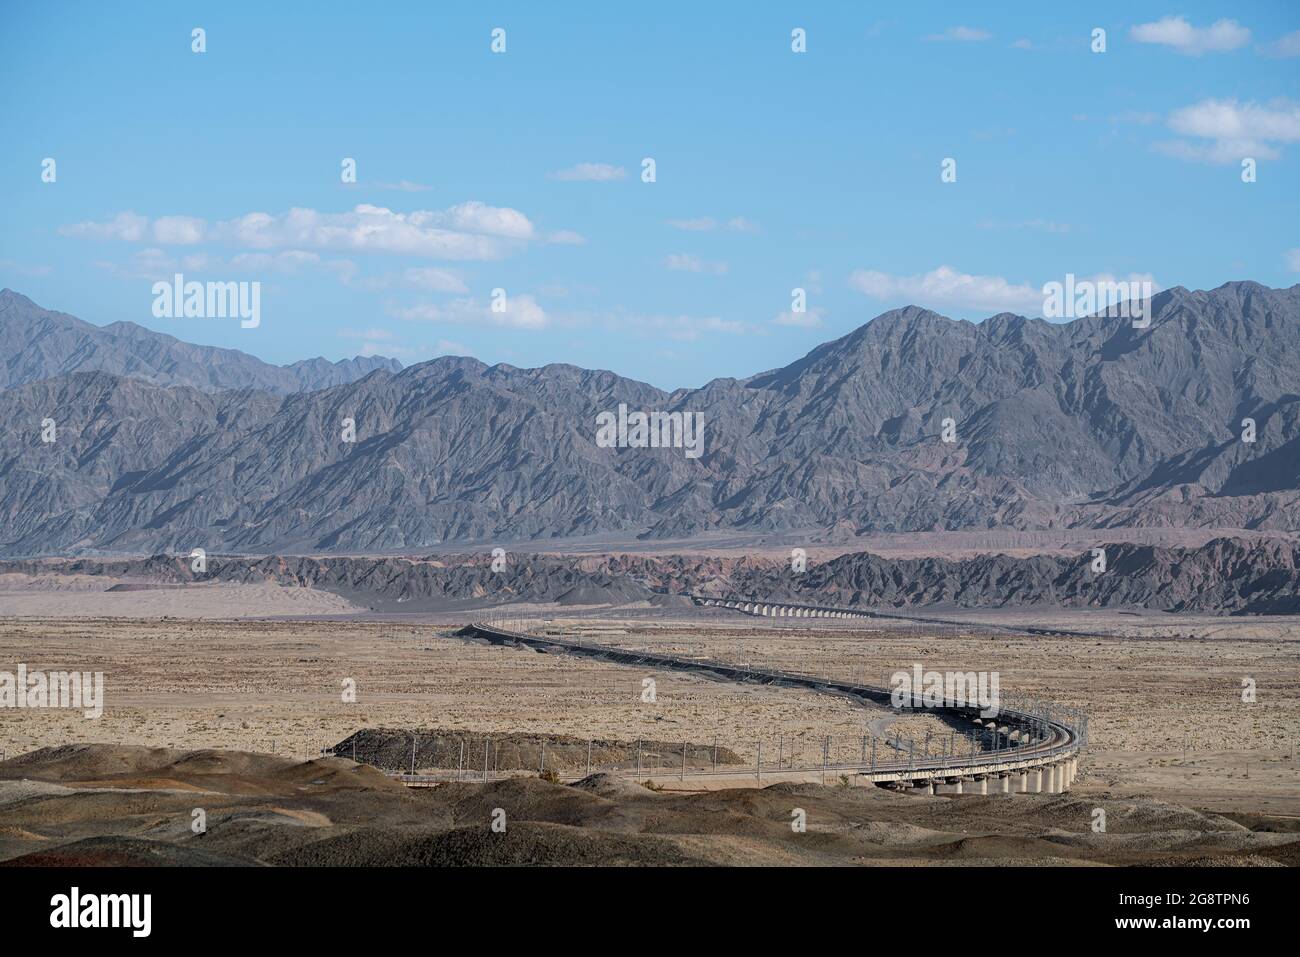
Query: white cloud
{"x": 1293, "y": 259}
{"x": 471, "y": 230}
{"x": 1022, "y": 44}
{"x": 1286, "y": 46}
{"x": 1179, "y": 34}
{"x": 178, "y": 230}
{"x": 962, "y": 35}
{"x": 128, "y": 226}
{"x": 134, "y": 228}
{"x": 947, "y": 287}
{"x": 1232, "y": 130}
{"x": 1226, "y": 119}
{"x": 521, "y": 312}
{"x": 590, "y": 173}
{"x": 685, "y": 262}
{"x": 155, "y": 263}
{"x": 476, "y": 217}
{"x": 1220, "y": 152}
{"x": 376, "y": 229}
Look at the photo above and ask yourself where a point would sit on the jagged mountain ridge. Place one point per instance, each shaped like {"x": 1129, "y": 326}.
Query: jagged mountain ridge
{"x": 43, "y": 344}
{"x": 1090, "y": 423}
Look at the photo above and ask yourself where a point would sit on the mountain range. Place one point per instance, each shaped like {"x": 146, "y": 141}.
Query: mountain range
{"x": 163, "y": 446}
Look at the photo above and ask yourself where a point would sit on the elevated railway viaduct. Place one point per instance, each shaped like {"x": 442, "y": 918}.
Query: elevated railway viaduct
{"x": 1035, "y": 745}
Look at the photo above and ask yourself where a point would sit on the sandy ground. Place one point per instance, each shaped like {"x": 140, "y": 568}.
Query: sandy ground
{"x": 276, "y": 686}
{"x": 86, "y": 596}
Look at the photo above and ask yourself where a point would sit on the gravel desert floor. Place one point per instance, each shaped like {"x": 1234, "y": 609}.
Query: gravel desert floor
{"x": 1175, "y": 752}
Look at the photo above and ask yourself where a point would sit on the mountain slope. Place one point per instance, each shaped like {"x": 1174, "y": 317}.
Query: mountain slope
{"x": 1085, "y": 424}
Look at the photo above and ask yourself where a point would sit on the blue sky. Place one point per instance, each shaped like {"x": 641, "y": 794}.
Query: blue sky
{"x": 522, "y": 170}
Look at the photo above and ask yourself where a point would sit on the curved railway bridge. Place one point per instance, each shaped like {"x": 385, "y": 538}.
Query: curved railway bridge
{"x": 1033, "y": 746}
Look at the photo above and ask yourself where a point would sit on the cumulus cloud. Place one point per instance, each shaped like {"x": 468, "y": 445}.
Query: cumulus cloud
{"x": 154, "y": 264}
{"x": 947, "y": 287}
{"x": 128, "y": 226}
{"x": 132, "y": 227}
{"x": 590, "y": 173}
{"x": 1178, "y": 34}
{"x": 961, "y": 35}
{"x": 467, "y": 231}
{"x": 685, "y": 262}
{"x": 1286, "y": 46}
{"x": 1228, "y": 131}
{"x": 521, "y": 312}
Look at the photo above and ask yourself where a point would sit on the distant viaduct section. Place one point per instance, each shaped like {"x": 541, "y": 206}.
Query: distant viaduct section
{"x": 785, "y": 609}
{"x": 770, "y": 609}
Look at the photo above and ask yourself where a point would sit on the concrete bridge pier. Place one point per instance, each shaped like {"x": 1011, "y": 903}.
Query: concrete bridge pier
{"x": 1022, "y": 782}
{"x": 948, "y": 786}
{"x": 1051, "y": 780}
{"x": 980, "y": 786}
{"x": 1004, "y": 784}
{"x": 1035, "y": 778}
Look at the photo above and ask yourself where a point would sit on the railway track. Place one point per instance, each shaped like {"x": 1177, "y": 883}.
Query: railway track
{"x": 1036, "y": 745}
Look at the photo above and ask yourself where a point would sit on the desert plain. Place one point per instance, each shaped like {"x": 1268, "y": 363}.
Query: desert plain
{"x": 235, "y": 692}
